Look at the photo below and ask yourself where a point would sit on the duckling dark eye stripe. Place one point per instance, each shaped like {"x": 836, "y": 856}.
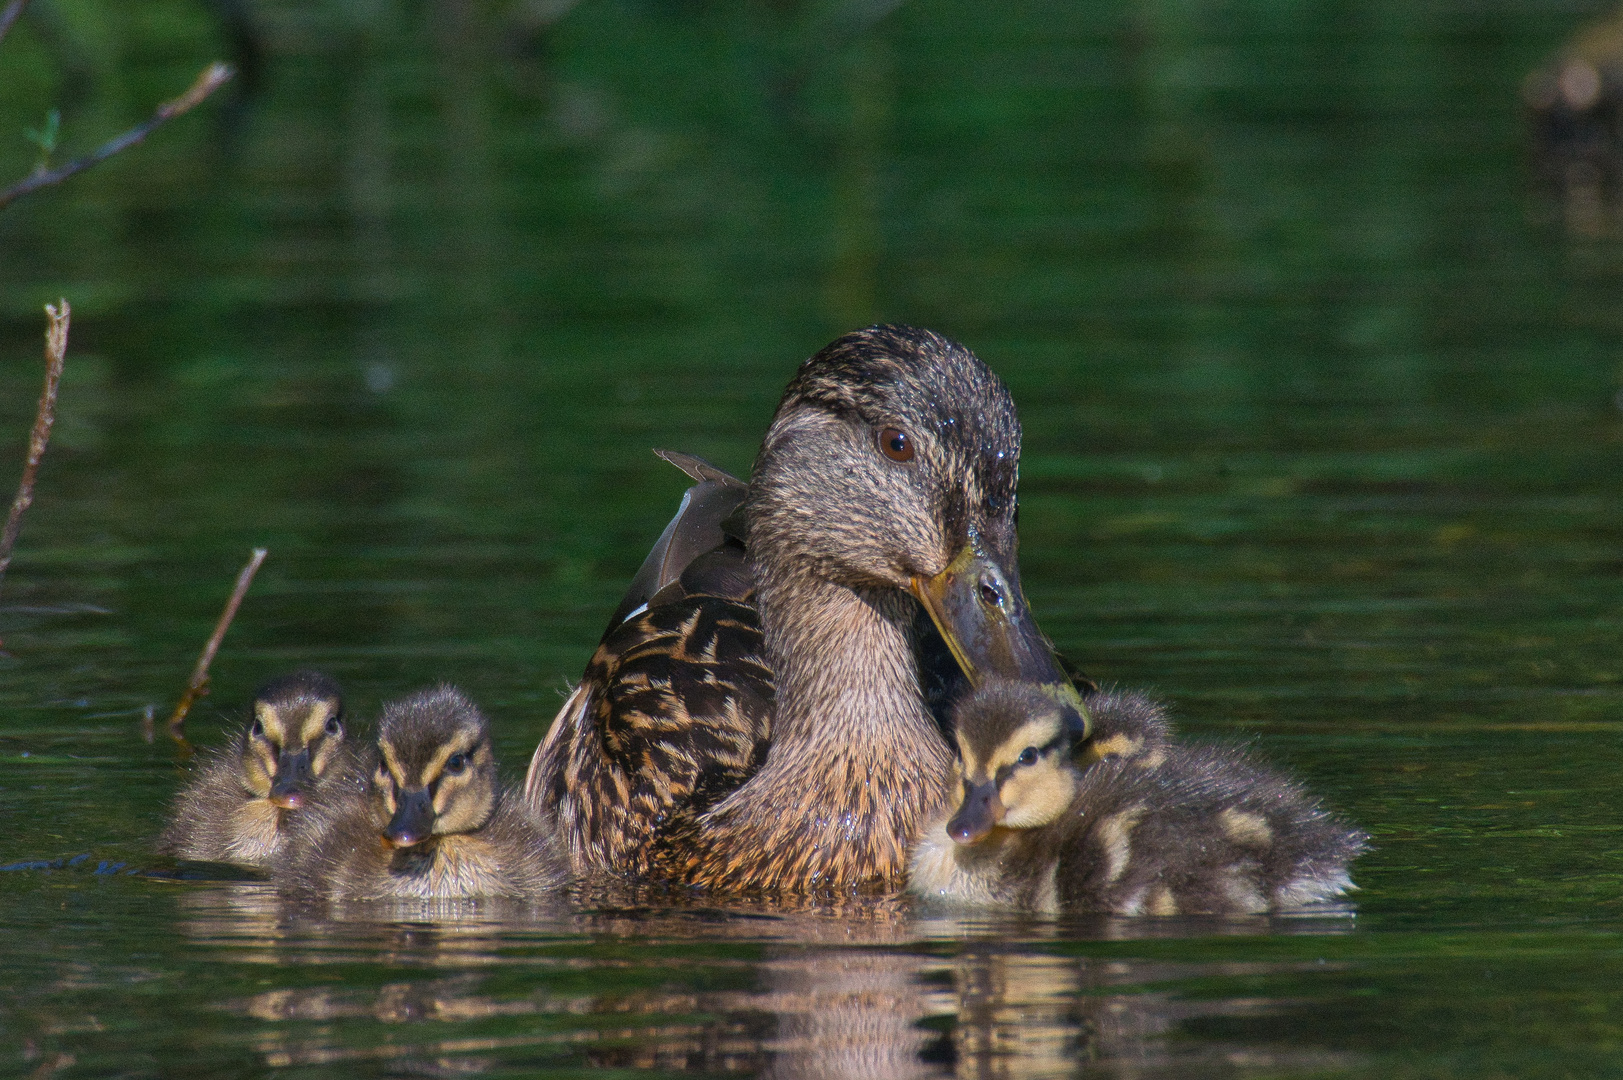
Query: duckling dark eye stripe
{"x": 436, "y": 767}
{"x": 1032, "y": 733}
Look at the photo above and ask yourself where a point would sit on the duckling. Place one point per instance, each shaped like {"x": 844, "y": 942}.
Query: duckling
{"x": 239, "y": 805}
{"x": 1176, "y": 829}
{"x": 433, "y": 823}
{"x": 1125, "y": 727}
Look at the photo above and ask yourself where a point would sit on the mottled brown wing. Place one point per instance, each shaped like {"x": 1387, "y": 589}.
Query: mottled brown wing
{"x": 674, "y": 712}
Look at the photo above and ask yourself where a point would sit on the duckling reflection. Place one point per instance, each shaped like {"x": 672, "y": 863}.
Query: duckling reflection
{"x": 1016, "y": 1014}
{"x": 821, "y": 1013}
{"x": 434, "y": 825}
{"x": 239, "y": 806}
{"x": 1175, "y": 829}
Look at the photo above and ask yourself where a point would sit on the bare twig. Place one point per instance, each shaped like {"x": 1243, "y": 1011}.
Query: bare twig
{"x": 199, "y": 685}
{"x": 56, "y": 351}
{"x": 212, "y": 78}
{"x": 11, "y": 14}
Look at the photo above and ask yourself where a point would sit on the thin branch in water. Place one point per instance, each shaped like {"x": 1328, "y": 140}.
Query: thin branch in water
{"x": 199, "y": 686}
{"x": 212, "y": 78}
{"x": 11, "y": 14}
{"x": 56, "y": 352}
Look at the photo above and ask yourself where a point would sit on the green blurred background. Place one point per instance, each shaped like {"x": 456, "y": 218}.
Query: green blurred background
{"x": 1320, "y": 398}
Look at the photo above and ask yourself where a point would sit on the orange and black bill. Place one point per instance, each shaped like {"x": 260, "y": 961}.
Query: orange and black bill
{"x": 977, "y": 605}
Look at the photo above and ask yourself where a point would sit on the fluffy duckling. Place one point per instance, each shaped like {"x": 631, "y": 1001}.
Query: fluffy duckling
{"x": 239, "y": 805}
{"x": 433, "y": 823}
{"x": 1134, "y": 823}
{"x": 1125, "y": 727}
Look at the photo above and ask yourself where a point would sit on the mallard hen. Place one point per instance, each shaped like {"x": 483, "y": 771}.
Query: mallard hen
{"x": 238, "y": 806}
{"x": 1152, "y": 827}
{"x": 760, "y": 717}
{"x": 434, "y": 822}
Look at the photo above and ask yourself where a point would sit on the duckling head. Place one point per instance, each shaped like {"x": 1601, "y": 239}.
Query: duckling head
{"x": 437, "y": 771}
{"x": 1014, "y": 748}
{"x": 891, "y": 463}
{"x": 296, "y": 733}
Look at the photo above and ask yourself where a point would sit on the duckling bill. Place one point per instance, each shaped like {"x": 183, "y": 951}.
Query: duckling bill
{"x": 1131, "y": 822}
{"x": 433, "y": 823}
{"x": 238, "y": 807}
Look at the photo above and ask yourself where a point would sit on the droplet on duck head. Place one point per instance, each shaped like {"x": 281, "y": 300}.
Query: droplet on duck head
{"x": 881, "y": 455}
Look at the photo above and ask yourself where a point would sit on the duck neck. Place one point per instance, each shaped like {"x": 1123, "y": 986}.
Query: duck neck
{"x": 844, "y": 664}
{"x": 854, "y": 750}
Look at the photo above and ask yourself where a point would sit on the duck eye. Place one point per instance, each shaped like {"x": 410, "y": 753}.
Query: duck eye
{"x": 456, "y": 763}
{"x": 257, "y": 730}
{"x": 334, "y": 727}
{"x": 1028, "y": 756}
{"x": 896, "y": 444}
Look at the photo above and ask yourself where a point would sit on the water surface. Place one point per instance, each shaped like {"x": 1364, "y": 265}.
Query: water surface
{"x": 1322, "y": 446}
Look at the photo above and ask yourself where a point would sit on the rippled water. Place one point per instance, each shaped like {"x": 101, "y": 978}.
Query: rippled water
{"x": 1322, "y": 445}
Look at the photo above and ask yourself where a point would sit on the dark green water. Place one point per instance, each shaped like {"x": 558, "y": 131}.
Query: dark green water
{"x": 1321, "y": 445}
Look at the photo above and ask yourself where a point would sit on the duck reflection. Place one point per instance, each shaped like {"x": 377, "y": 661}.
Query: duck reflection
{"x": 852, "y": 990}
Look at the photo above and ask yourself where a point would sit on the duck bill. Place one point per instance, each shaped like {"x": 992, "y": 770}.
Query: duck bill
{"x": 292, "y": 774}
{"x": 979, "y": 814}
{"x": 413, "y": 819}
{"x": 977, "y": 605}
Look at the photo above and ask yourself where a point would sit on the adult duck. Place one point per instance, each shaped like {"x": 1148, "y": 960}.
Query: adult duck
{"x": 761, "y": 714}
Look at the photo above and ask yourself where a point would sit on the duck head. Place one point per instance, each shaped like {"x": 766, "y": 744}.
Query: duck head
{"x": 892, "y": 462}
{"x": 1014, "y": 759}
{"x": 296, "y": 733}
{"x": 436, "y": 773}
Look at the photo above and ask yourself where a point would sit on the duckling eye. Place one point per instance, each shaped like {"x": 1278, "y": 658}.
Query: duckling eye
{"x": 896, "y": 444}
{"x": 334, "y": 727}
{"x": 257, "y": 729}
{"x": 456, "y": 763}
{"x": 1028, "y": 756}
